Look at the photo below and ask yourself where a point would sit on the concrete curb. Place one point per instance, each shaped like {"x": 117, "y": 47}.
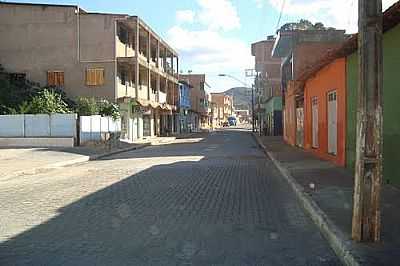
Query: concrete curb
{"x": 341, "y": 245}
{"x": 82, "y": 159}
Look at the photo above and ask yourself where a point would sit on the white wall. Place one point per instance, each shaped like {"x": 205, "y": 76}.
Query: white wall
{"x": 40, "y": 125}
{"x": 92, "y": 128}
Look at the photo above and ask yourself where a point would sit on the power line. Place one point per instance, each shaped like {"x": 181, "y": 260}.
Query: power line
{"x": 280, "y": 15}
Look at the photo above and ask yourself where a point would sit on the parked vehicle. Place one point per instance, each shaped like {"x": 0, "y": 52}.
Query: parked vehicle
{"x": 232, "y": 121}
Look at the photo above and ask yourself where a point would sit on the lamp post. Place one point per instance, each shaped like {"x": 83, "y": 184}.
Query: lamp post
{"x": 252, "y": 96}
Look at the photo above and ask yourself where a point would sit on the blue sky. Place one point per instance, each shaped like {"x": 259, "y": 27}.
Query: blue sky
{"x": 215, "y": 36}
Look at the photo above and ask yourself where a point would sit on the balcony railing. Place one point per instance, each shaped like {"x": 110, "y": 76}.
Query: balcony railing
{"x": 162, "y": 97}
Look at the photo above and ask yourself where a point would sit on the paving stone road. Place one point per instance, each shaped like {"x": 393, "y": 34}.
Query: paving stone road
{"x": 211, "y": 201}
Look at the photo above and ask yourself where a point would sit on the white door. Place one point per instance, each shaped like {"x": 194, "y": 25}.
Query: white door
{"x": 314, "y": 102}
{"x": 332, "y": 123}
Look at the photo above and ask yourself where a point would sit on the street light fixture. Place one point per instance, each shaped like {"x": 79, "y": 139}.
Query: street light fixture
{"x": 252, "y": 96}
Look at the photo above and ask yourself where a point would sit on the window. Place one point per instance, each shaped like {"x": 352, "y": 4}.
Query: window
{"x": 55, "y": 78}
{"x": 95, "y": 76}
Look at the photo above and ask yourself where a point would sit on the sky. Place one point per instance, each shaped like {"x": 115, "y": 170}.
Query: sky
{"x": 214, "y": 36}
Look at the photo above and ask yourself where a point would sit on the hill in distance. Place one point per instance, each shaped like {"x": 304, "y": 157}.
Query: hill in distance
{"x": 241, "y": 97}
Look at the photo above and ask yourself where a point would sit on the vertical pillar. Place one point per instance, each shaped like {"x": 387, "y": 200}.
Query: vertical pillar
{"x": 158, "y": 54}
{"x": 137, "y": 59}
{"x": 368, "y": 175}
{"x": 148, "y": 66}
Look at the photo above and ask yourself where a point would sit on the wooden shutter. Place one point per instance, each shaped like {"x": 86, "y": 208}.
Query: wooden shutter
{"x": 95, "y": 76}
{"x": 55, "y": 78}
{"x": 50, "y": 78}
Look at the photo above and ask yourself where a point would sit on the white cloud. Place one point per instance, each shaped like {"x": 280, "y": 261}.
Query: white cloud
{"x": 204, "y": 48}
{"x": 341, "y": 14}
{"x": 259, "y": 3}
{"x": 218, "y": 14}
{"x": 185, "y": 16}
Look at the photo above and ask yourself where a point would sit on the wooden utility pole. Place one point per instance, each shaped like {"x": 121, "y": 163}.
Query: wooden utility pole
{"x": 368, "y": 174}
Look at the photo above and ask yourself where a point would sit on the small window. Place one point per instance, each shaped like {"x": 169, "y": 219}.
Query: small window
{"x": 95, "y": 76}
{"x": 55, "y": 78}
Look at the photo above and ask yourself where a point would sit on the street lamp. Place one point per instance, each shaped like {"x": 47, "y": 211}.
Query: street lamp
{"x": 252, "y": 96}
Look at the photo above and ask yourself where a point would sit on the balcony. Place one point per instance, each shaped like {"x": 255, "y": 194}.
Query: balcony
{"x": 153, "y": 96}
{"x": 125, "y": 90}
{"x": 143, "y": 92}
{"x": 162, "y": 97}
{"x": 123, "y": 49}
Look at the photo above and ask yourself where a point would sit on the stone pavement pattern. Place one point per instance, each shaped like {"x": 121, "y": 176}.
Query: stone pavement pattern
{"x": 333, "y": 191}
{"x": 216, "y": 201}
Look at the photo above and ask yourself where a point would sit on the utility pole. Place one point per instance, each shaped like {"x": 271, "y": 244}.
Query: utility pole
{"x": 368, "y": 172}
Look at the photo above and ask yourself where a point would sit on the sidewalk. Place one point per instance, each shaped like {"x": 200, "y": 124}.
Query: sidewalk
{"x": 25, "y": 161}
{"x": 326, "y": 191}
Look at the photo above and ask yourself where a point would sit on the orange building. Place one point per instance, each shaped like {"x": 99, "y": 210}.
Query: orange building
{"x": 325, "y": 111}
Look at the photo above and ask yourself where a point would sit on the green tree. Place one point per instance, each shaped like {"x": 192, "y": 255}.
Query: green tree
{"x": 303, "y": 24}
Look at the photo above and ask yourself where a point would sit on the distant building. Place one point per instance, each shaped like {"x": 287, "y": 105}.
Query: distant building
{"x": 268, "y": 85}
{"x": 199, "y": 101}
{"x": 184, "y": 106}
{"x": 223, "y": 107}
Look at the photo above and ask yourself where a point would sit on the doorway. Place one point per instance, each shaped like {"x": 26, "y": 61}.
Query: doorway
{"x": 332, "y": 122}
{"x": 314, "y": 104}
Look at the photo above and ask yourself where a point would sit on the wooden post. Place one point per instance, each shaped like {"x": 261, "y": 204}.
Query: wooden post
{"x": 368, "y": 172}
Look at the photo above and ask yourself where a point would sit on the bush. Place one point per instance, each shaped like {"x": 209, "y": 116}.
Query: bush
{"x": 109, "y": 109}
{"x": 89, "y": 106}
{"x": 46, "y": 102}
{"x": 86, "y": 106}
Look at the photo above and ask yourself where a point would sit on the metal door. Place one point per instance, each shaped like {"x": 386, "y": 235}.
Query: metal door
{"x": 314, "y": 103}
{"x": 332, "y": 123}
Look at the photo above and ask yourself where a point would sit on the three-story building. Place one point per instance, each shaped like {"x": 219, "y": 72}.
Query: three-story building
{"x": 106, "y": 56}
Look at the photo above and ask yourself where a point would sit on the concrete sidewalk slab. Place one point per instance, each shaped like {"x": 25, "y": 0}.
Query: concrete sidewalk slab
{"x": 325, "y": 192}
{"x": 28, "y": 161}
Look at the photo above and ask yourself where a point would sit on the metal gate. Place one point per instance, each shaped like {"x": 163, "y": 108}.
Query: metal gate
{"x": 332, "y": 123}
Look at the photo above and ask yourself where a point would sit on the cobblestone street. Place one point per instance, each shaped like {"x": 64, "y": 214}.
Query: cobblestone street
{"x": 215, "y": 200}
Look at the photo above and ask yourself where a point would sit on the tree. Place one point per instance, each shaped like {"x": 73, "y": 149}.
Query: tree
{"x": 303, "y": 24}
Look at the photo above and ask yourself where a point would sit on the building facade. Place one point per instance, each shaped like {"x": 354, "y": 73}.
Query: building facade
{"x": 223, "y": 107}
{"x": 268, "y": 86}
{"x": 300, "y": 50}
{"x": 199, "y": 116}
{"x": 184, "y": 106}
{"x": 106, "y": 56}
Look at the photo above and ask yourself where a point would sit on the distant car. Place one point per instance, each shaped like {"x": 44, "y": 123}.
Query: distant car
{"x": 232, "y": 121}
{"x": 225, "y": 124}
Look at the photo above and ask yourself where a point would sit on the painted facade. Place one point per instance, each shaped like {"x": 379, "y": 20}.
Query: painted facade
{"x": 326, "y": 85}
{"x": 391, "y": 107}
{"x": 184, "y": 107}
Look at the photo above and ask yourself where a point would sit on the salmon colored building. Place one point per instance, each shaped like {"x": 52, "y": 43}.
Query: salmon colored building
{"x": 325, "y": 111}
